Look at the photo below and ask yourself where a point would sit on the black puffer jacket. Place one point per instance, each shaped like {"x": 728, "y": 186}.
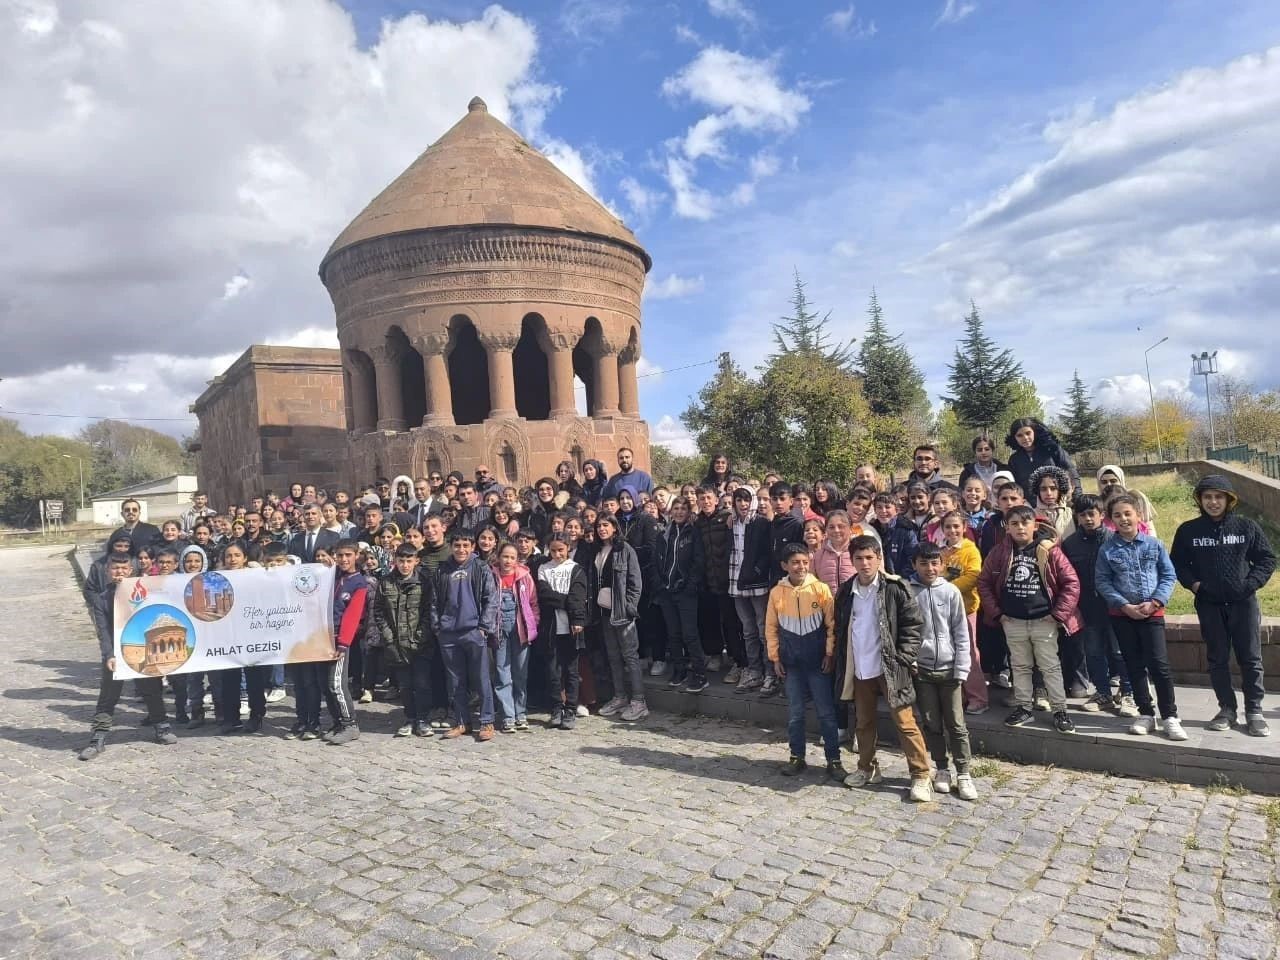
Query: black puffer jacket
{"x": 680, "y": 559}
{"x": 1047, "y": 452}
{"x": 1081, "y": 550}
{"x": 717, "y": 544}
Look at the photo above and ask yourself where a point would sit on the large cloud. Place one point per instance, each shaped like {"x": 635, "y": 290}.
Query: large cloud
{"x": 174, "y": 173}
{"x": 1161, "y": 215}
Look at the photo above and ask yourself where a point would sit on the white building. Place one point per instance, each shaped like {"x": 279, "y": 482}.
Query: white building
{"x": 164, "y": 499}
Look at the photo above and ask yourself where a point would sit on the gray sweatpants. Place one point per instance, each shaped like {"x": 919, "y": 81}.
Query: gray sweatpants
{"x": 942, "y": 709}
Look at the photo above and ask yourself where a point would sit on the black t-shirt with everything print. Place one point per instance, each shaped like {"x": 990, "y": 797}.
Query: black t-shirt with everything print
{"x": 1024, "y": 596}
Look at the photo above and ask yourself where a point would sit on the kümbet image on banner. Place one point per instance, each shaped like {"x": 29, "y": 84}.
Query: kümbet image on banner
{"x": 233, "y": 618}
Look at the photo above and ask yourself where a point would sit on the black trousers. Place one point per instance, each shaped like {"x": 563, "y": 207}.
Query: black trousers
{"x": 719, "y": 627}
{"x": 414, "y": 681}
{"x": 109, "y": 690}
{"x": 1233, "y": 628}
{"x": 993, "y": 648}
{"x": 1142, "y": 644}
{"x": 255, "y": 681}
{"x": 562, "y": 670}
{"x": 308, "y": 692}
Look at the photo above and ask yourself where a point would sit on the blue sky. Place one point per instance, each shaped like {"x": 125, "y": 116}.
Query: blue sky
{"x": 1079, "y": 170}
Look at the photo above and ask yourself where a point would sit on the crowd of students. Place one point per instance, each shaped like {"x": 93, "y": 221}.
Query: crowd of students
{"x": 472, "y": 603}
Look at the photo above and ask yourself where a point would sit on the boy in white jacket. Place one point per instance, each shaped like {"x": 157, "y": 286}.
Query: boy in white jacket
{"x": 941, "y": 668}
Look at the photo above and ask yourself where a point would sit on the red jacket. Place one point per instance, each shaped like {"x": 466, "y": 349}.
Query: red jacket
{"x": 1059, "y": 578}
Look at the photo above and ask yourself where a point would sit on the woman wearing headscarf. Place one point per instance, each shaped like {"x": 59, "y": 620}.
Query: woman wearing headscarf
{"x": 594, "y": 478}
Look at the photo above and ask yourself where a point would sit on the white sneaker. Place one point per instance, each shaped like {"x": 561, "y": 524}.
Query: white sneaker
{"x": 276, "y": 695}
{"x": 863, "y": 778}
{"x": 942, "y": 781}
{"x": 921, "y": 791}
{"x": 965, "y": 787}
{"x": 583, "y": 711}
{"x": 658, "y": 669}
{"x": 1142, "y": 726}
{"x": 1173, "y": 729}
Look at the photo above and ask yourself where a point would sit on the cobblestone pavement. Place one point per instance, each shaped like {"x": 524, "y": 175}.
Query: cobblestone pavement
{"x": 676, "y": 839}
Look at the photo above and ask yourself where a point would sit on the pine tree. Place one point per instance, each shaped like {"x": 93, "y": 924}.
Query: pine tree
{"x": 982, "y": 377}
{"x": 891, "y": 381}
{"x": 806, "y": 333}
{"x": 1083, "y": 426}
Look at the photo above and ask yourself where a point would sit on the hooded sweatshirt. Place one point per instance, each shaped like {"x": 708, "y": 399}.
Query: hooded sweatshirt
{"x": 1231, "y": 558}
{"x": 944, "y": 638}
{"x": 1146, "y": 510}
{"x": 197, "y": 551}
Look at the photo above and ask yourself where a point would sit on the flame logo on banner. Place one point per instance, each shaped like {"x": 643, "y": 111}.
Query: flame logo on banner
{"x": 139, "y": 593}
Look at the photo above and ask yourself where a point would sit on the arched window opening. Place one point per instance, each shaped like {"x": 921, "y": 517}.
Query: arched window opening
{"x": 533, "y": 381}
{"x": 508, "y": 464}
{"x": 413, "y": 379}
{"x": 364, "y": 391}
{"x": 468, "y": 373}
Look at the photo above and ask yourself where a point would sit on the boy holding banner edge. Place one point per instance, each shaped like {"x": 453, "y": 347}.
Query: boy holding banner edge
{"x": 102, "y": 607}
{"x": 350, "y": 601}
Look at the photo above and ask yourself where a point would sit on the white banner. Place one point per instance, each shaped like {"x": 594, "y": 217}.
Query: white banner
{"x": 186, "y": 623}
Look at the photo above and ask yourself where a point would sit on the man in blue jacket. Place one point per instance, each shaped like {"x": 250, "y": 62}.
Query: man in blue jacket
{"x": 1225, "y": 559}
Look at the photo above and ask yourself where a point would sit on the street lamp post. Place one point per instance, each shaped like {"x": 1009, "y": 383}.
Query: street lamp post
{"x": 1151, "y": 391}
{"x": 1204, "y": 365}
{"x": 79, "y": 460}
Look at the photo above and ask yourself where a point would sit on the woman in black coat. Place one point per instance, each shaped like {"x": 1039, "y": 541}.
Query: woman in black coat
{"x": 1034, "y": 446}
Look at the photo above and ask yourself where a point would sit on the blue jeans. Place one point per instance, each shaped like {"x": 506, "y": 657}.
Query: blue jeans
{"x": 511, "y": 676}
{"x": 276, "y": 680}
{"x": 804, "y": 682}
{"x": 1102, "y": 657}
{"x": 467, "y": 661}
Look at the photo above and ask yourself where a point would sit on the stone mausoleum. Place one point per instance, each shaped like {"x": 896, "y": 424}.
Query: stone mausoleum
{"x": 469, "y": 296}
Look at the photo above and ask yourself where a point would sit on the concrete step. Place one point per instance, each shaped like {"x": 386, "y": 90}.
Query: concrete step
{"x": 1101, "y": 743}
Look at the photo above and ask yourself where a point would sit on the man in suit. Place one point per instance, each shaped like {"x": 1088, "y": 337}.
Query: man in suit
{"x": 426, "y": 504}
{"x": 141, "y": 533}
{"x": 303, "y": 544}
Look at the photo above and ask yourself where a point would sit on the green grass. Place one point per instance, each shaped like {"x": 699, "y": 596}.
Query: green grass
{"x": 1221, "y": 785}
{"x": 1271, "y": 810}
{"x": 1174, "y": 505}
{"x": 990, "y": 770}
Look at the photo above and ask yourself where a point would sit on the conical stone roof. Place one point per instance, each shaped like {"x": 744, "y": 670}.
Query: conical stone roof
{"x": 481, "y": 172}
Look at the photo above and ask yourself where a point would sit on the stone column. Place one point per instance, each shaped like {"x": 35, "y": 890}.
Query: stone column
{"x": 606, "y": 392}
{"x": 559, "y": 350}
{"x": 502, "y": 375}
{"x": 390, "y": 408}
{"x": 364, "y": 413}
{"x": 628, "y": 386}
{"x": 436, "y": 371}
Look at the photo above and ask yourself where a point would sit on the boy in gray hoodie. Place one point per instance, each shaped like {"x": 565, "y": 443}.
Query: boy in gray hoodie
{"x": 941, "y": 668}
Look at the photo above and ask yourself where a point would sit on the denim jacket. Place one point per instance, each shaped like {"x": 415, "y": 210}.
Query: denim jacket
{"x": 1131, "y": 571}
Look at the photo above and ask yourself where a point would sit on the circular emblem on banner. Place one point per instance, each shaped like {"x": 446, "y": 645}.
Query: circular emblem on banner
{"x": 306, "y": 582}
{"x": 157, "y": 640}
{"x": 209, "y": 596}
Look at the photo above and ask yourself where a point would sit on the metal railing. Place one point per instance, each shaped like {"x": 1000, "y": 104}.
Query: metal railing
{"x": 1267, "y": 464}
